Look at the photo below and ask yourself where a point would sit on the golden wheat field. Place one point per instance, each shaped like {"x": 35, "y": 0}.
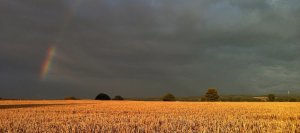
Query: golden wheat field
{"x": 136, "y": 116}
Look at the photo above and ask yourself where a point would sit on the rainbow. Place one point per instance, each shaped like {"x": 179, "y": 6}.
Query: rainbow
{"x": 47, "y": 62}
{"x": 46, "y": 66}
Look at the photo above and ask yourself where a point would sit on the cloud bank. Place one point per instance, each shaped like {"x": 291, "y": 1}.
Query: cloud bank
{"x": 149, "y": 47}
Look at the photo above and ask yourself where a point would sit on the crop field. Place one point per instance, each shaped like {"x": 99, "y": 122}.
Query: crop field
{"x": 138, "y": 116}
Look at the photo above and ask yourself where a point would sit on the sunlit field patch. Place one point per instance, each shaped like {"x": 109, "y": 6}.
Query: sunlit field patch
{"x": 138, "y": 116}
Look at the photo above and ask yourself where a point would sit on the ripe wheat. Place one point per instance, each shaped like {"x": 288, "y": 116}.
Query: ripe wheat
{"x": 133, "y": 116}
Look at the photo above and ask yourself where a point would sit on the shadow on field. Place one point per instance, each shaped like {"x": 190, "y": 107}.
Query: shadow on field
{"x": 29, "y": 105}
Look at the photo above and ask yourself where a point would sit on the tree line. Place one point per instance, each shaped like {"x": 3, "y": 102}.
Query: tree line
{"x": 210, "y": 95}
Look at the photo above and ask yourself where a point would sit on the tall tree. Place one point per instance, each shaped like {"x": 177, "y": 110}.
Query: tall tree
{"x": 212, "y": 94}
{"x": 271, "y": 97}
{"x": 102, "y": 96}
{"x": 169, "y": 97}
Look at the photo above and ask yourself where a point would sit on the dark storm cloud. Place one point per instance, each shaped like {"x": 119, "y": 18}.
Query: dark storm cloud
{"x": 26, "y": 30}
{"x": 149, "y": 47}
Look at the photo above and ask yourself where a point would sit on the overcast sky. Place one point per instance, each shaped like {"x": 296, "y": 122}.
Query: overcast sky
{"x": 138, "y": 48}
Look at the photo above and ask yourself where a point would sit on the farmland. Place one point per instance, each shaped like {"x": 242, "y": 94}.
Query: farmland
{"x": 138, "y": 116}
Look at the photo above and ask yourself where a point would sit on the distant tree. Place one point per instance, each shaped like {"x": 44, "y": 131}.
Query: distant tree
{"x": 293, "y": 100}
{"x": 118, "y": 98}
{"x": 102, "y": 96}
{"x": 280, "y": 99}
{"x": 169, "y": 97}
{"x": 70, "y": 98}
{"x": 212, "y": 95}
{"x": 202, "y": 99}
{"x": 271, "y": 97}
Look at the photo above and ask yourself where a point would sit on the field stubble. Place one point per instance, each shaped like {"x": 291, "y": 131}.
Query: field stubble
{"x": 136, "y": 116}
